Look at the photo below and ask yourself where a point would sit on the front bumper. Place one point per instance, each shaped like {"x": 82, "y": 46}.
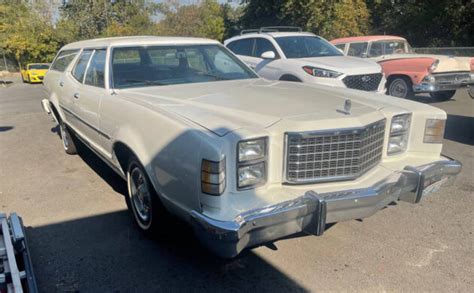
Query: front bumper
{"x": 444, "y": 82}
{"x": 310, "y": 212}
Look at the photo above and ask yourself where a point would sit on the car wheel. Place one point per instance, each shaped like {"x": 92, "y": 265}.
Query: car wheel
{"x": 142, "y": 199}
{"x": 400, "y": 87}
{"x": 443, "y": 95}
{"x": 67, "y": 138}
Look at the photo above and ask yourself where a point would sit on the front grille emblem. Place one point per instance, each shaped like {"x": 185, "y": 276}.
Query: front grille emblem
{"x": 347, "y": 107}
{"x": 366, "y": 78}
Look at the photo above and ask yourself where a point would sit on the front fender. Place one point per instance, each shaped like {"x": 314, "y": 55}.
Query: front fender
{"x": 415, "y": 68}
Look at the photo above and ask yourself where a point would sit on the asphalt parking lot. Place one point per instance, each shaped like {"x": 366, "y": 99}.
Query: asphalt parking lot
{"x": 82, "y": 238}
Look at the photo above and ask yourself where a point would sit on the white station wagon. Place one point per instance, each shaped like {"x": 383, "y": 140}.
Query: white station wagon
{"x": 195, "y": 132}
{"x": 304, "y": 57}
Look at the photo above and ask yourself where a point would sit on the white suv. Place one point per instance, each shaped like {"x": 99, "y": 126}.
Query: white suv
{"x": 304, "y": 57}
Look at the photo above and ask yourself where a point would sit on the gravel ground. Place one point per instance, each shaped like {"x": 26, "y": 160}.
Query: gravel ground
{"x": 83, "y": 239}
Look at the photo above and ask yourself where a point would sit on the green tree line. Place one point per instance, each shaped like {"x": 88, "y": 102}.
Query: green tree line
{"x": 33, "y": 31}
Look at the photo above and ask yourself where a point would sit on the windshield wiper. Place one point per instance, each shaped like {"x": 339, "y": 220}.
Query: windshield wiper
{"x": 217, "y": 77}
{"x": 147, "y": 82}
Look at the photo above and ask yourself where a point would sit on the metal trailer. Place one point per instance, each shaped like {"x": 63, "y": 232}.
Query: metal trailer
{"x": 16, "y": 270}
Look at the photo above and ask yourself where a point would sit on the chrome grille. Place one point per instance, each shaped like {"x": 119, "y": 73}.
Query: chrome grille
{"x": 450, "y": 78}
{"x": 365, "y": 82}
{"x": 333, "y": 155}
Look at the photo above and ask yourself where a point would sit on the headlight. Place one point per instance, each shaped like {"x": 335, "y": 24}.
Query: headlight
{"x": 251, "y": 150}
{"x": 213, "y": 177}
{"x": 434, "y": 131}
{"x": 399, "y": 131}
{"x": 251, "y": 162}
{"x": 320, "y": 72}
{"x": 251, "y": 175}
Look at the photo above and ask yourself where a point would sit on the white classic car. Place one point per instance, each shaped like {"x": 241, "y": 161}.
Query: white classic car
{"x": 304, "y": 57}
{"x": 244, "y": 160}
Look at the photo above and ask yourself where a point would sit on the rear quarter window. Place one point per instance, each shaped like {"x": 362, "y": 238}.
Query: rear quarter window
{"x": 63, "y": 59}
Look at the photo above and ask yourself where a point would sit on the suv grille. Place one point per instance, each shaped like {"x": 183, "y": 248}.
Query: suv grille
{"x": 333, "y": 155}
{"x": 365, "y": 82}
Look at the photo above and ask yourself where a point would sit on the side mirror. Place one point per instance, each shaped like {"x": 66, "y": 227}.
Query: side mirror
{"x": 364, "y": 55}
{"x": 268, "y": 55}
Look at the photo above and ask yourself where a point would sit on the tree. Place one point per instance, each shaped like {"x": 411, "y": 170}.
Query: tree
{"x": 231, "y": 17}
{"x": 426, "y": 22}
{"x": 329, "y": 19}
{"x": 25, "y": 35}
{"x": 91, "y": 19}
{"x": 195, "y": 20}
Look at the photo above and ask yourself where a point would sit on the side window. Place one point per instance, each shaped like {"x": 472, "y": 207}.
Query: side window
{"x": 126, "y": 56}
{"x": 242, "y": 47}
{"x": 376, "y": 49}
{"x": 357, "y": 49}
{"x": 96, "y": 70}
{"x": 263, "y": 45}
{"x": 341, "y": 46}
{"x": 80, "y": 68}
{"x": 63, "y": 59}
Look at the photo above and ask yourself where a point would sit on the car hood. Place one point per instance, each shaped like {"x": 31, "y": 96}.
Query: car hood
{"x": 225, "y": 106}
{"x": 345, "y": 64}
{"x": 446, "y": 63}
{"x": 38, "y": 71}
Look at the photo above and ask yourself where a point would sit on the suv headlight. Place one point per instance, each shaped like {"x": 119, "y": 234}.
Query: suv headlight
{"x": 399, "y": 131}
{"x": 321, "y": 72}
{"x": 251, "y": 162}
{"x": 434, "y": 131}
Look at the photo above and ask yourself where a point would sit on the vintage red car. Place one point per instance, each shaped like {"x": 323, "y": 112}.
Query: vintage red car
{"x": 407, "y": 72}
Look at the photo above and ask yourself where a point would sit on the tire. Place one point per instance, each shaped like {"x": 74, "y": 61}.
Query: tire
{"x": 400, "y": 87}
{"x": 29, "y": 79}
{"x": 142, "y": 200}
{"x": 443, "y": 95}
{"x": 68, "y": 139}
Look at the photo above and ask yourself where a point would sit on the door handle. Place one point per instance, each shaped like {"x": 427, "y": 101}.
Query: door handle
{"x": 61, "y": 83}
{"x": 76, "y": 96}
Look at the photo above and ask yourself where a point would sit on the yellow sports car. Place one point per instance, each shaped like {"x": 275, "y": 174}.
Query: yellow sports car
{"x": 34, "y": 72}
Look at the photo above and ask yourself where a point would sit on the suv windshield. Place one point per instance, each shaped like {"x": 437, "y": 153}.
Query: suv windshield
{"x": 167, "y": 65}
{"x": 38, "y": 66}
{"x": 389, "y": 47}
{"x": 306, "y": 46}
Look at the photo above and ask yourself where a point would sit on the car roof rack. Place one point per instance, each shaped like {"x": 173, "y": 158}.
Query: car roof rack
{"x": 268, "y": 29}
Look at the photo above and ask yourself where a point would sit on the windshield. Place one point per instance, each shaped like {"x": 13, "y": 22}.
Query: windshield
{"x": 389, "y": 47}
{"x": 38, "y": 66}
{"x": 167, "y": 65}
{"x": 306, "y": 46}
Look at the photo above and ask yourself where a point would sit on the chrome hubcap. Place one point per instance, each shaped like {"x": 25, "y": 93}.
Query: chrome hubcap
{"x": 140, "y": 194}
{"x": 399, "y": 89}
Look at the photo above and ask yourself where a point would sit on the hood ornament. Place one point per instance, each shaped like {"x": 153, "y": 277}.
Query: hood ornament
{"x": 347, "y": 107}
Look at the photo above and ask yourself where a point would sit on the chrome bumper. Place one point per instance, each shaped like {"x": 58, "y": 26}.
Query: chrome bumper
{"x": 310, "y": 212}
{"x": 444, "y": 82}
